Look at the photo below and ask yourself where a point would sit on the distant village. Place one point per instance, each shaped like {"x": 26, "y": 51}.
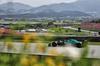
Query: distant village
{"x": 52, "y": 19}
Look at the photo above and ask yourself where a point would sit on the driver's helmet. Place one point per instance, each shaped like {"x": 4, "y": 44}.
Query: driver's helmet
{"x": 60, "y": 43}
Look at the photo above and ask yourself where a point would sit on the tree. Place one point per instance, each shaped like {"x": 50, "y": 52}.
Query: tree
{"x": 50, "y": 23}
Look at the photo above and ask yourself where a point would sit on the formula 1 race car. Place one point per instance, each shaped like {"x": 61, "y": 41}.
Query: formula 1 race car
{"x": 72, "y": 42}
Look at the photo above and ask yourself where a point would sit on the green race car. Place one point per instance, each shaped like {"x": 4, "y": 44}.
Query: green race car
{"x": 72, "y": 42}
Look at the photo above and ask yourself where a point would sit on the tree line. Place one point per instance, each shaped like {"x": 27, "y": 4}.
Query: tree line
{"x": 95, "y": 21}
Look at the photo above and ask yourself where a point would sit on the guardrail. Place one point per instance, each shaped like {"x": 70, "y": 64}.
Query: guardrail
{"x": 55, "y": 38}
{"x": 19, "y": 48}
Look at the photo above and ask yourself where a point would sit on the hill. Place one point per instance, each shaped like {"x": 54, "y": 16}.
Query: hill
{"x": 47, "y": 13}
{"x": 14, "y": 6}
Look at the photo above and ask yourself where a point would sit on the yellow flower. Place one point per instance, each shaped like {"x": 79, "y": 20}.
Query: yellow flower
{"x": 33, "y": 59}
{"x": 26, "y": 45}
{"x": 40, "y": 46}
{"x": 9, "y": 45}
{"x": 50, "y": 61}
{"x": 39, "y": 64}
{"x": 43, "y": 48}
{"x": 52, "y": 64}
{"x": 52, "y": 51}
{"x": 26, "y": 38}
{"x": 25, "y": 61}
{"x": 38, "y": 43}
{"x": 61, "y": 64}
{"x": 34, "y": 36}
{"x": 36, "y": 64}
{"x": 26, "y": 41}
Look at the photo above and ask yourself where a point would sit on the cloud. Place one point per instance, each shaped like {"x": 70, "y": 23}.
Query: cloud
{"x": 38, "y": 2}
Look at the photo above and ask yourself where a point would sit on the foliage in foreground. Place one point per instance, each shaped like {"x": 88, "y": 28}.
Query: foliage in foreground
{"x": 25, "y": 59}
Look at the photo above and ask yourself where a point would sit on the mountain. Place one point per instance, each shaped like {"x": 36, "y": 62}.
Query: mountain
{"x": 14, "y": 6}
{"x": 47, "y": 13}
{"x": 79, "y": 5}
{"x": 77, "y": 8}
{"x": 51, "y": 13}
{"x": 88, "y": 5}
{"x": 57, "y": 7}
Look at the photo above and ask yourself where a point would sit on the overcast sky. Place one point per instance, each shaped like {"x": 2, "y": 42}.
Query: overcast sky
{"x": 36, "y": 3}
